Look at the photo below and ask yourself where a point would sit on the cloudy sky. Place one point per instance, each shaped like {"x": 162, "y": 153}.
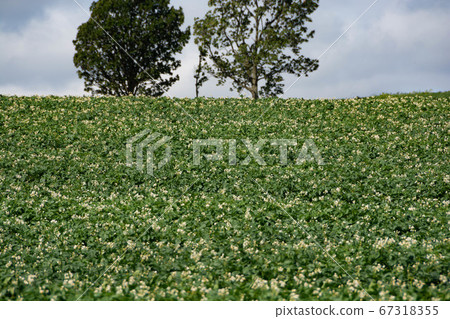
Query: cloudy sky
{"x": 397, "y": 46}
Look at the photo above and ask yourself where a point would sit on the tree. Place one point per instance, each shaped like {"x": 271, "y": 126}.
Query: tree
{"x": 200, "y": 73}
{"x": 128, "y": 47}
{"x": 249, "y": 41}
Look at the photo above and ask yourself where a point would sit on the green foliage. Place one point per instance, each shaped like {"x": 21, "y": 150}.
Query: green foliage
{"x": 424, "y": 94}
{"x": 128, "y": 47}
{"x": 249, "y": 41}
{"x": 69, "y": 205}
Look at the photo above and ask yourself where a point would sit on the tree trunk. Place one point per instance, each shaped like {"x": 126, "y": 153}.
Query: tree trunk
{"x": 198, "y": 75}
{"x": 254, "y": 90}
{"x": 131, "y": 85}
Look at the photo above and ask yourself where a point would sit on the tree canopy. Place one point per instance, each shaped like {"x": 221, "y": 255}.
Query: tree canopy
{"x": 249, "y": 41}
{"x": 128, "y": 47}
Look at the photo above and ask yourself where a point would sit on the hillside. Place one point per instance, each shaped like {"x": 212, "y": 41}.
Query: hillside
{"x": 372, "y": 222}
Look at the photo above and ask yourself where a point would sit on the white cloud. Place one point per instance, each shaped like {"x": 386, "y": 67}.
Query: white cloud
{"x": 390, "y": 50}
{"x": 38, "y": 57}
{"x": 396, "y": 46}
